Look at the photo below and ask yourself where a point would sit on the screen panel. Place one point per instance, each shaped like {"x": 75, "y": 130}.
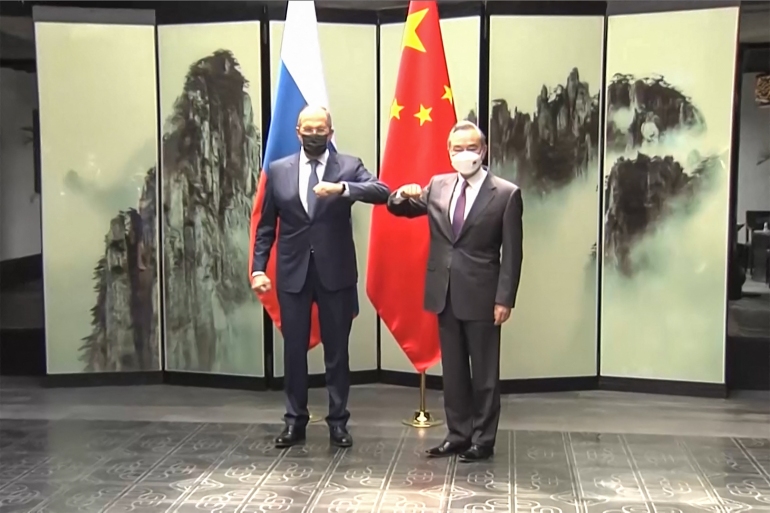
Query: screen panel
{"x": 666, "y": 186}
{"x": 349, "y": 59}
{"x": 545, "y": 84}
{"x": 98, "y": 132}
{"x": 461, "y": 48}
{"x": 210, "y": 94}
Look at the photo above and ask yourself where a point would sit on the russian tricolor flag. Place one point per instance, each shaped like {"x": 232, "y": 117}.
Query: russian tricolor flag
{"x": 300, "y": 83}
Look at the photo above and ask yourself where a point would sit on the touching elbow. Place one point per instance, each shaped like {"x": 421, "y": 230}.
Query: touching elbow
{"x": 382, "y": 195}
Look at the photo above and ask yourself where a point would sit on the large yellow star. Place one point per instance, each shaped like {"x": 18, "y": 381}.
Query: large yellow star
{"x": 395, "y": 109}
{"x": 424, "y": 114}
{"x": 411, "y": 39}
{"x": 448, "y": 95}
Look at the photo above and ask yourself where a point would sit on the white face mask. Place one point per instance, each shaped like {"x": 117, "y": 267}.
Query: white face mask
{"x": 466, "y": 163}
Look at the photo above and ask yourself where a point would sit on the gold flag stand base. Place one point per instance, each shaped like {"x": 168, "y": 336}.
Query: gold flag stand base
{"x": 422, "y": 418}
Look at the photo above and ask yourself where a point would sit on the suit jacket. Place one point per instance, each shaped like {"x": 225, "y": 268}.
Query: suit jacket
{"x": 329, "y": 233}
{"x": 479, "y": 274}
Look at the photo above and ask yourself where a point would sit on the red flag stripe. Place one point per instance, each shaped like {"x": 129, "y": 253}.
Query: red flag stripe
{"x": 422, "y": 114}
{"x": 270, "y": 299}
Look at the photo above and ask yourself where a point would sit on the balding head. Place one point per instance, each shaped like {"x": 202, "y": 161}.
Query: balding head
{"x": 314, "y": 130}
{"x": 314, "y": 116}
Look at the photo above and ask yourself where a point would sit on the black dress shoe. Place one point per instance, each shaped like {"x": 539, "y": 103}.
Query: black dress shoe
{"x": 446, "y": 449}
{"x": 291, "y": 435}
{"x": 339, "y": 437}
{"x": 477, "y": 453}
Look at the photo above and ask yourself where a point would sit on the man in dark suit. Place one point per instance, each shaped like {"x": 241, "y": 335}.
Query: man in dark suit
{"x": 312, "y": 193}
{"x": 474, "y": 266}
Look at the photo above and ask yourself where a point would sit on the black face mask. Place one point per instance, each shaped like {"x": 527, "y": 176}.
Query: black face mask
{"x": 314, "y": 144}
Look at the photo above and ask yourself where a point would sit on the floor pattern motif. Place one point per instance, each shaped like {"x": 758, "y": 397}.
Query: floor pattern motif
{"x": 111, "y": 466}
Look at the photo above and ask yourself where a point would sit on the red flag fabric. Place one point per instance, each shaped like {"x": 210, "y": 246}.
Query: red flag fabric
{"x": 421, "y": 115}
{"x": 270, "y": 299}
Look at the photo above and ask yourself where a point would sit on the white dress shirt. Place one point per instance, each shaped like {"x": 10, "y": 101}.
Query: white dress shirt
{"x": 471, "y": 192}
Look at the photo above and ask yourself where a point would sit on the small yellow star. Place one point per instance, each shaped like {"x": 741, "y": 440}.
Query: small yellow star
{"x": 448, "y": 95}
{"x": 395, "y": 109}
{"x": 424, "y": 114}
{"x": 411, "y": 39}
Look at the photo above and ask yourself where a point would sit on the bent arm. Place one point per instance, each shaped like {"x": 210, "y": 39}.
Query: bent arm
{"x": 410, "y": 208}
{"x": 512, "y": 251}
{"x": 265, "y": 238}
{"x": 366, "y": 188}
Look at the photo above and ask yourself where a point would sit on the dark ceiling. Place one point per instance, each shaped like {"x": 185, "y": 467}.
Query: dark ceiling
{"x": 17, "y": 34}
{"x": 24, "y": 8}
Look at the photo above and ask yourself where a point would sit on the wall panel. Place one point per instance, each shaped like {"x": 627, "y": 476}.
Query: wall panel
{"x": 98, "y": 130}
{"x": 210, "y": 81}
{"x": 668, "y": 126}
{"x": 545, "y": 84}
{"x": 461, "y": 47}
{"x": 349, "y": 62}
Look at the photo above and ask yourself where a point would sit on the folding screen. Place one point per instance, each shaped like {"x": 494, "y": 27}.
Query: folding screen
{"x": 666, "y": 185}
{"x": 545, "y": 87}
{"x": 210, "y": 92}
{"x": 349, "y": 59}
{"x": 461, "y": 46}
{"x": 98, "y": 130}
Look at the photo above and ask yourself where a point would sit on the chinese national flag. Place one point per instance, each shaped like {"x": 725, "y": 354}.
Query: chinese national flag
{"x": 421, "y": 115}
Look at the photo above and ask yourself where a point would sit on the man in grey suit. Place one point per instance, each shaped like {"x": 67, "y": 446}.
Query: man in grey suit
{"x": 474, "y": 266}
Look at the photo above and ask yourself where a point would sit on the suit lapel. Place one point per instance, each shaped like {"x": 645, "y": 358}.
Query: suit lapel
{"x": 331, "y": 174}
{"x": 445, "y": 202}
{"x": 484, "y": 197}
{"x": 331, "y": 169}
{"x": 294, "y": 182}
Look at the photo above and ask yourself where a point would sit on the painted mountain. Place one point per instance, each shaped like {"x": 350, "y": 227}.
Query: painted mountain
{"x": 649, "y": 124}
{"x": 547, "y": 149}
{"x": 211, "y": 161}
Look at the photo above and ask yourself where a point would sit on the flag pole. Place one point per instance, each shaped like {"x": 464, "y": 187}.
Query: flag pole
{"x": 422, "y": 418}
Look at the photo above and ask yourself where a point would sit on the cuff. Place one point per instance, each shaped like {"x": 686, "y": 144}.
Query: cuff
{"x": 257, "y": 273}
{"x": 345, "y": 190}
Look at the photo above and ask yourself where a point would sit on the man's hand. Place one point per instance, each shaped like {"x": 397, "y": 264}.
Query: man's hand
{"x": 411, "y": 191}
{"x": 501, "y": 314}
{"x": 261, "y": 283}
{"x": 324, "y": 189}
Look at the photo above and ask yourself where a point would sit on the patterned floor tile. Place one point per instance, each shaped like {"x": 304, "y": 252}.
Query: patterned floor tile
{"x": 85, "y": 467}
{"x": 542, "y": 505}
{"x": 145, "y": 498}
{"x": 120, "y": 468}
{"x": 26, "y": 496}
{"x": 211, "y": 495}
{"x": 542, "y": 481}
{"x": 84, "y": 498}
{"x": 239, "y": 471}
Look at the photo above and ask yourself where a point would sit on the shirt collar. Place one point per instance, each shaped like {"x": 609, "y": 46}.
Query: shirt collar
{"x": 322, "y": 159}
{"x": 474, "y": 181}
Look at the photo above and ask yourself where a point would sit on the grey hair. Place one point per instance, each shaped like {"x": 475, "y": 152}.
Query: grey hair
{"x": 464, "y": 125}
{"x": 313, "y": 108}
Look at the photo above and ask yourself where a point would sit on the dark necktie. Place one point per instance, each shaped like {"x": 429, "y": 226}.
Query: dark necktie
{"x": 312, "y": 182}
{"x": 459, "y": 216}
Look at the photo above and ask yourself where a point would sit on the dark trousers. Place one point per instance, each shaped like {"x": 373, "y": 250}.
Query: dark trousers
{"x": 471, "y": 388}
{"x": 335, "y": 312}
